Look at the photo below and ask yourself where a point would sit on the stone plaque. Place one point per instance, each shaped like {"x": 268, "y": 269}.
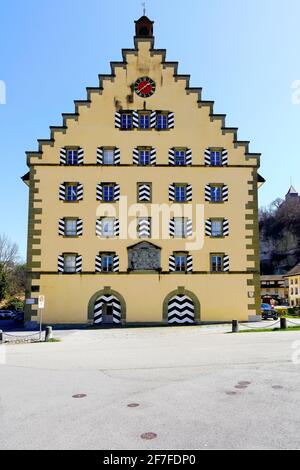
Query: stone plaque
{"x": 144, "y": 257}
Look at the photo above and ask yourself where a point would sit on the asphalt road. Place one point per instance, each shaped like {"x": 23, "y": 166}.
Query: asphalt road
{"x": 196, "y": 388}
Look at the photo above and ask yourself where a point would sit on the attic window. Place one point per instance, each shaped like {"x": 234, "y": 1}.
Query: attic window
{"x": 144, "y": 31}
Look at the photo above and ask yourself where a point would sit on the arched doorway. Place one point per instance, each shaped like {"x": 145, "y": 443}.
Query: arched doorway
{"x": 181, "y": 307}
{"x": 107, "y": 307}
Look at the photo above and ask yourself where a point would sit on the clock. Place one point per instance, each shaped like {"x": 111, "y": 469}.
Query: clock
{"x": 145, "y": 87}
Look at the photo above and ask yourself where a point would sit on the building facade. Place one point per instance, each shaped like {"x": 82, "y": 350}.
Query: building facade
{"x": 294, "y": 286}
{"x": 274, "y": 289}
{"x": 143, "y": 205}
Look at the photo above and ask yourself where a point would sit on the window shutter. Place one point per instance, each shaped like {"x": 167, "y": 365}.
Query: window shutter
{"x": 99, "y": 156}
{"x": 189, "y": 263}
{"x": 225, "y": 228}
{"x": 80, "y": 156}
{"x": 135, "y": 119}
{"x": 62, "y": 192}
{"x": 117, "y": 156}
{"x": 61, "y": 227}
{"x": 99, "y": 192}
{"x": 61, "y": 264}
{"x": 63, "y": 156}
{"x": 144, "y": 193}
{"x": 171, "y": 121}
{"x": 226, "y": 263}
{"x": 208, "y": 228}
{"x": 189, "y": 193}
{"x": 98, "y": 264}
{"x": 99, "y": 227}
{"x": 118, "y": 120}
{"x": 117, "y": 192}
{"x": 172, "y": 228}
{"x": 144, "y": 228}
{"x": 189, "y": 228}
{"x": 116, "y": 264}
{"x": 171, "y": 192}
{"x": 78, "y": 264}
{"x": 172, "y": 266}
{"x": 188, "y": 157}
{"x": 171, "y": 157}
{"x": 117, "y": 228}
{"x": 79, "y": 227}
{"x": 224, "y": 157}
{"x": 208, "y": 193}
{"x": 153, "y": 156}
{"x": 80, "y": 192}
{"x": 136, "y": 156}
{"x": 153, "y": 119}
{"x": 207, "y": 157}
{"x": 225, "y": 192}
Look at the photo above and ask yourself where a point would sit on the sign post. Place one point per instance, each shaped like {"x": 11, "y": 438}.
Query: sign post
{"x": 41, "y": 306}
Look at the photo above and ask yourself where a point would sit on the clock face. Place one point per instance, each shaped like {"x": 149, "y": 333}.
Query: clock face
{"x": 145, "y": 87}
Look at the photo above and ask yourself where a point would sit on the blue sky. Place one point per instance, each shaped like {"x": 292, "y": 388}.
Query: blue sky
{"x": 244, "y": 53}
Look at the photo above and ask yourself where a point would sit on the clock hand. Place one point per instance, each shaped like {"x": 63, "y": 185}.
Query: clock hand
{"x": 145, "y": 86}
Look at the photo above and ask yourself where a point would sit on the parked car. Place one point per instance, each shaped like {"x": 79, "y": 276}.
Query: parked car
{"x": 7, "y": 315}
{"x": 267, "y": 311}
{"x": 19, "y": 318}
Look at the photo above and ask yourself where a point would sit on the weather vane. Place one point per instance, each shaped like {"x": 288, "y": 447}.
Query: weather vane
{"x": 144, "y": 8}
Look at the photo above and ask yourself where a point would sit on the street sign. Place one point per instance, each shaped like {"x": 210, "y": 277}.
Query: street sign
{"x": 30, "y": 301}
{"x": 41, "y": 301}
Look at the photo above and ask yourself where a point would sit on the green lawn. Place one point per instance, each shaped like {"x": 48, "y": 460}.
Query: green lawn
{"x": 265, "y": 330}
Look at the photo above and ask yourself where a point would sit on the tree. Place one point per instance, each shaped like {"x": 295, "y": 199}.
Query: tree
{"x": 4, "y": 287}
{"x": 9, "y": 252}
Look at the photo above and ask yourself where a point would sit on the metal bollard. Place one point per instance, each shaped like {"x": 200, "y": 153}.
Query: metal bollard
{"x": 235, "y": 326}
{"x": 1, "y": 336}
{"x": 49, "y": 333}
{"x": 283, "y": 323}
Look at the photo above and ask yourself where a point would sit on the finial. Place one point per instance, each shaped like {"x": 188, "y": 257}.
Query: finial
{"x": 144, "y": 8}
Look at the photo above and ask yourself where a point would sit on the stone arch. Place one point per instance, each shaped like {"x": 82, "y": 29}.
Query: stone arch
{"x": 107, "y": 291}
{"x": 191, "y": 295}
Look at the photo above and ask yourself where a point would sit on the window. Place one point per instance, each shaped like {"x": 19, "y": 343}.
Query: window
{"x": 292, "y": 291}
{"x": 216, "y": 228}
{"x": 216, "y": 193}
{"x": 296, "y": 291}
{"x": 144, "y": 121}
{"x": 180, "y": 227}
{"x": 70, "y": 263}
{"x": 162, "y": 121}
{"x": 144, "y": 192}
{"x": 292, "y": 282}
{"x": 180, "y": 192}
{"x": 71, "y": 227}
{"x": 71, "y": 192}
{"x": 108, "y": 227}
{"x": 296, "y": 281}
{"x": 72, "y": 157}
{"x": 144, "y": 157}
{"x": 126, "y": 121}
{"x": 217, "y": 263}
{"x": 107, "y": 263}
{"x": 180, "y": 262}
{"x": 108, "y": 192}
{"x": 179, "y": 157}
{"x": 108, "y": 157}
{"x": 216, "y": 157}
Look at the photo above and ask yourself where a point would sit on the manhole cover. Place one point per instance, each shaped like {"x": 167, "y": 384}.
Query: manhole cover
{"x": 148, "y": 436}
{"x": 133, "y": 405}
{"x": 81, "y": 395}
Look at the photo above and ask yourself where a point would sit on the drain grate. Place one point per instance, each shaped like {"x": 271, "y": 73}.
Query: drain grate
{"x": 148, "y": 436}
{"x": 81, "y": 395}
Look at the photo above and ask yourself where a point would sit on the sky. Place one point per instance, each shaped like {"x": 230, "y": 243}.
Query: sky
{"x": 244, "y": 53}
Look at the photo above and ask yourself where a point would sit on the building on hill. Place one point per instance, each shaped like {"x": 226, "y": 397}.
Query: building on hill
{"x": 274, "y": 289}
{"x": 292, "y": 195}
{"x": 143, "y": 205}
{"x": 293, "y": 277}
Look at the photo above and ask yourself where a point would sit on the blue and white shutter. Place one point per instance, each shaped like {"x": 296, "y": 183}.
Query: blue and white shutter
{"x": 171, "y": 121}
{"x": 189, "y": 193}
{"x": 117, "y": 156}
{"x": 171, "y": 192}
{"x": 80, "y": 156}
{"x": 63, "y": 156}
{"x": 226, "y": 264}
{"x": 153, "y": 120}
{"x": 62, "y": 192}
{"x": 153, "y": 156}
{"x": 144, "y": 228}
{"x": 99, "y": 156}
{"x": 225, "y": 193}
{"x": 79, "y": 227}
{"x": 99, "y": 192}
{"x": 98, "y": 264}
{"x": 172, "y": 264}
{"x": 61, "y": 227}
{"x": 117, "y": 120}
{"x": 99, "y": 227}
{"x": 208, "y": 193}
{"x": 80, "y": 192}
{"x": 188, "y": 157}
{"x": 189, "y": 228}
{"x": 135, "y": 119}
{"x": 136, "y": 156}
{"x": 116, "y": 264}
{"x": 145, "y": 193}
{"x": 171, "y": 157}
{"x": 117, "y": 228}
{"x": 208, "y": 228}
{"x": 189, "y": 263}
{"x": 78, "y": 264}
{"x": 207, "y": 157}
{"x": 225, "y": 227}
{"x": 172, "y": 228}
{"x": 224, "y": 157}
{"x": 117, "y": 192}
{"x": 61, "y": 264}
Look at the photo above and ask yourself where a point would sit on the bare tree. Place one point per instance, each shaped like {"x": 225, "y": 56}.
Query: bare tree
{"x": 9, "y": 252}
